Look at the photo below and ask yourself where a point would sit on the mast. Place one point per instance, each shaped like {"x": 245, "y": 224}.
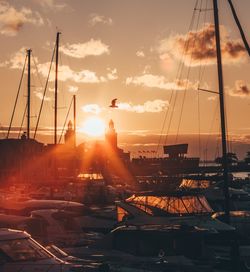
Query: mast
{"x": 74, "y": 108}
{"x": 28, "y": 95}
{"x": 56, "y": 86}
{"x": 222, "y": 112}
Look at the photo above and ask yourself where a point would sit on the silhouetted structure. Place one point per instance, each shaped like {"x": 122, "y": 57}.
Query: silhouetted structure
{"x": 175, "y": 151}
{"x": 111, "y": 136}
{"x": 176, "y": 162}
{"x": 69, "y": 137}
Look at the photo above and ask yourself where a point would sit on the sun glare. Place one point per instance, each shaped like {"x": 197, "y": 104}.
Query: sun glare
{"x": 93, "y": 126}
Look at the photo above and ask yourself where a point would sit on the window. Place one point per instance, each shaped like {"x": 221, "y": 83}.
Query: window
{"x": 23, "y": 250}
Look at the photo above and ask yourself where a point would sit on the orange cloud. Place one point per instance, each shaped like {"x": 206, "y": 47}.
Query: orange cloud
{"x": 241, "y": 89}
{"x": 82, "y": 76}
{"x": 99, "y": 19}
{"x": 65, "y": 73}
{"x": 149, "y": 106}
{"x": 199, "y": 47}
{"x": 160, "y": 82}
{"x": 12, "y": 20}
{"x": 91, "y": 108}
{"x": 82, "y": 50}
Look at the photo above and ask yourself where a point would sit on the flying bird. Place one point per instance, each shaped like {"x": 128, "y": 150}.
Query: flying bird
{"x": 113, "y": 103}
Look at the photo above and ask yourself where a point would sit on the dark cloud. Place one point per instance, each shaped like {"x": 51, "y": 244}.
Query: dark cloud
{"x": 241, "y": 89}
{"x": 234, "y": 49}
{"x": 199, "y": 46}
{"x": 12, "y": 20}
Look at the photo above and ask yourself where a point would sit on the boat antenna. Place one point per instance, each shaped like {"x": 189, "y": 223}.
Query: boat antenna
{"x": 28, "y": 95}
{"x": 17, "y": 96}
{"x": 222, "y": 112}
{"x": 56, "y": 86}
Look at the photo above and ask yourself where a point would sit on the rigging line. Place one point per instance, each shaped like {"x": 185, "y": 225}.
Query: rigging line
{"x": 66, "y": 119}
{"x": 199, "y": 122}
{"x": 202, "y": 71}
{"x": 200, "y": 75}
{"x": 217, "y": 150}
{"x": 164, "y": 122}
{"x": 239, "y": 27}
{"x": 182, "y": 106}
{"x": 44, "y": 93}
{"x": 212, "y": 123}
{"x": 17, "y": 96}
{"x": 62, "y": 85}
{"x": 226, "y": 123}
{"x": 35, "y": 64}
{"x": 180, "y": 67}
{"x": 22, "y": 121}
{"x": 186, "y": 45}
{"x": 186, "y": 85}
{"x": 171, "y": 117}
{"x": 203, "y": 68}
{"x": 198, "y": 102}
{"x": 202, "y": 43}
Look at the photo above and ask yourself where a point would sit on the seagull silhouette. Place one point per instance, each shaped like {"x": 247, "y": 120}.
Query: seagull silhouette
{"x": 113, "y": 103}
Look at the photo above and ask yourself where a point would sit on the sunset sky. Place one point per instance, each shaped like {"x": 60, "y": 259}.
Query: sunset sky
{"x": 152, "y": 55}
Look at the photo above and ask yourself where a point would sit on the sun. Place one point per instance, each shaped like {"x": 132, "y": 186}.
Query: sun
{"x": 93, "y": 127}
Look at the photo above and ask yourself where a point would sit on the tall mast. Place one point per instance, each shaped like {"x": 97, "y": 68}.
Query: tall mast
{"x": 74, "y": 107}
{"x": 56, "y": 85}
{"x": 222, "y": 112}
{"x": 28, "y": 95}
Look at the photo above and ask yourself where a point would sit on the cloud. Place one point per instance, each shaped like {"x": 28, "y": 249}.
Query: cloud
{"x": 212, "y": 98}
{"x": 17, "y": 59}
{"x": 91, "y": 108}
{"x": 51, "y": 4}
{"x": 140, "y": 54}
{"x": 65, "y": 73}
{"x": 52, "y": 90}
{"x": 82, "y": 50}
{"x": 156, "y": 81}
{"x": 241, "y": 89}
{"x": 12, "y": 20}
{"x": 73, "y": 89}
{"x": 112, "y": 74}
{"x": 39, "y": 94}
{"x": 149, "y": 106}
{"x": 199, "y": 47}
{"x": 99, "y": 19}
{"x": 83, "y": 76}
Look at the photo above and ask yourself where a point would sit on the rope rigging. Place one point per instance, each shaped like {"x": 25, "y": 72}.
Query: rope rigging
{"x": 173, "y": 92}
{"x": 24, "y": 113}
{"x": 181, "y": 68}
{"x": 188, "y": 75}
{"x": 67, "y": 115}
{"x": 17, "y": 96}
{"x": 44, "y": 93}
{"x": 188, "y": 51}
